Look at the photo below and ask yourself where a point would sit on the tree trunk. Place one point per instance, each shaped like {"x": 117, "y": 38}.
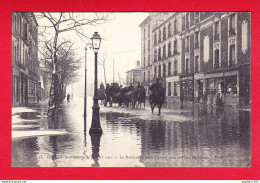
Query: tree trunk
{"x": 54, "y": 93}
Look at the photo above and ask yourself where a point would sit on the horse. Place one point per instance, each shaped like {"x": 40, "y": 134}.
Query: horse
{"x": 130, "y": 98}
{"x": 141, "y": 97}
{"x": 157, "y": 98}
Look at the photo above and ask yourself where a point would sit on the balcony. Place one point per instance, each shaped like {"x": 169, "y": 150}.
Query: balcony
{"x": 197, "y": 45}
{"x": 232, "y": 32}
{"x": 216, "y": 38}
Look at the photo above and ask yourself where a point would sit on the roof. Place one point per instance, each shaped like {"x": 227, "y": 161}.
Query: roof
{"x": 145, "y": 21}
{"x": 136, "y": 69}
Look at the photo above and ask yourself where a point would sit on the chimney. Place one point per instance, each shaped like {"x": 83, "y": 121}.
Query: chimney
{"x": 138, "y": 63}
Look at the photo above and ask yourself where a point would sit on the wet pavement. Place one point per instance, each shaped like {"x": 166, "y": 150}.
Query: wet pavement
{"x": 192, "y": 136}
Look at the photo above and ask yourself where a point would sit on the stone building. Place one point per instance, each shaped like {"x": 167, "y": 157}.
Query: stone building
{"x": 25, "y": 64}
{"x": 200, "y": 56}
{"x": 133, "y": 76}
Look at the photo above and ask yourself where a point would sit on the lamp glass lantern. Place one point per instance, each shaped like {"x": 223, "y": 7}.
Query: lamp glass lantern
{"x": 96, "y": 40}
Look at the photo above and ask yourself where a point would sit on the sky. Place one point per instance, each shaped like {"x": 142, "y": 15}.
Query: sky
{"x": 121, "y": 43}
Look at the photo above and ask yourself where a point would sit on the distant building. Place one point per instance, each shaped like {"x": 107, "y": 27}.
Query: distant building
{"x": 44, "y": 83}
{"x": 134, "y": 76}
{"x": 25, "y": 64}
{"x": 199, "y": 56}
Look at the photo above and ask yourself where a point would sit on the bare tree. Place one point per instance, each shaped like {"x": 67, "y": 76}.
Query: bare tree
{"x": 57, "y": 24}
{"x": 66, "y": 67}
{"x": 102, "y": 62}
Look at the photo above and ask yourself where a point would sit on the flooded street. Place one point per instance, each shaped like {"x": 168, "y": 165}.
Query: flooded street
{"x": 194, "y": 136}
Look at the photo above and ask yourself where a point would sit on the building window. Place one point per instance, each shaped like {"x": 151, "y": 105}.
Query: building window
{"x": 187, "y": 22}
{"x": 155, "y": 55}
{"x": 164, "y": 51}
{"x": 155, "y": 72}
{"x": 144, "y": 61}
{"x": 159, "y": 71}
{"x": 159, "y": 54}
{"x": 144, "y": 34}
{"x": 245, "y": 36}
{"x": 169, "y": 30}
{"x": 216, "y": 31}
{"x": 206, "y": 49}
{"x": 175, "y": 67}
{"x": 144, "y": 47}
{"x": 187, "y": 66}
{"x": 187, "y": 44}
{"x": 144, "y": 77}
{"x": 25, "y": 31}
{"x": 169, "y": 69}
{"x": 148, "y": 76}
{"x": 149, "y": 45}
{"x": 197, "y": 63}
{"x": 232, "y": 25}
{"x": 164, "y": 70}
{"x": 160, "y": 36}
{"x": 175, "y": 26}
{"x": 175, "y": 89}
{"x": 196, "y": 40}
{"x": 164, "y": 33}
{"x": 232, "y": 55}
{"x": 169, "y": 49}
{"x": 148, "y": 30}
{"x": 217, "y": 58}
{"x": 183, "y": 23}
{"x": 155, "y": 38}
{"x": 169, "y": 89}
{"x": 175, "y": 51}
{"x": 148, "y": 60}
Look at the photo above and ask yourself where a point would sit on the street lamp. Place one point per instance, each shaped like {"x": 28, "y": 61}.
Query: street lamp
{"x": 85, "y": 89}
{"x": 95, "y": 124}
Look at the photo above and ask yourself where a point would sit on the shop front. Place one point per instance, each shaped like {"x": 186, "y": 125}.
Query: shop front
{"x": 244, "y": 86}
{"x": 222, "y": 88}
{"x": 187, "y": 88}
{"x": 199, "y": 88}
{"x": 172, "y": 91}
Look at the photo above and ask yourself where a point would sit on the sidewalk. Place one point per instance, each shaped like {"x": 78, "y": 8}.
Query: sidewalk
{"x": 26, "y": 123}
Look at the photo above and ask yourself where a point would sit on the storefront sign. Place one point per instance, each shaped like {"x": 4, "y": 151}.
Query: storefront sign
{"x": 172, "y": 79}
{"x": 215, "y": 75}
{"x": 198, "y": 76}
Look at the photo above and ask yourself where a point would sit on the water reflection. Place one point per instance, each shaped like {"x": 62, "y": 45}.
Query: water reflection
{"x": 209, "y": 137}
{"x": 95, "y": 141}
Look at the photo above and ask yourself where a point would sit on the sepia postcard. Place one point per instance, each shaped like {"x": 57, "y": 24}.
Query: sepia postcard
{"x": 131, "y": 89}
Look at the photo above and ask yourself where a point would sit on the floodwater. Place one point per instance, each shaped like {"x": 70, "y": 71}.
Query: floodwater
{"x": 194, "y": 136}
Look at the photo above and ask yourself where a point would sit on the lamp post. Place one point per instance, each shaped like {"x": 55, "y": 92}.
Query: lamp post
{"x": 85, "y": 89}
{"x": 95, "y": 124}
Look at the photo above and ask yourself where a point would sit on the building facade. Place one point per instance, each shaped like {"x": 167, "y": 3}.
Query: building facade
{"x": 25, "y": 64}
{"x": 133, "y": 77}
{"x": 201, "y": 57}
